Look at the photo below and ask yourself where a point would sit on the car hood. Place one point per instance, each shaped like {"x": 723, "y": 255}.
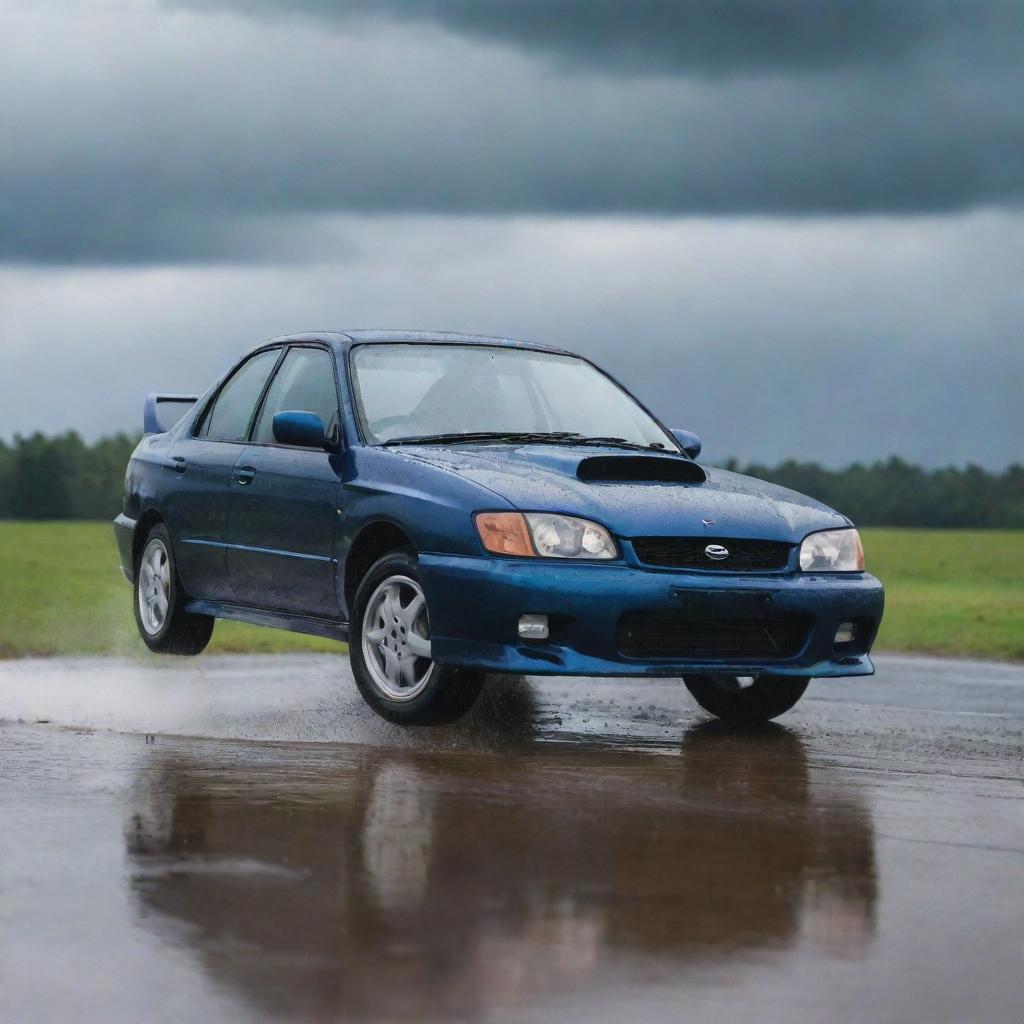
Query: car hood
{"x": 545, "y": 478}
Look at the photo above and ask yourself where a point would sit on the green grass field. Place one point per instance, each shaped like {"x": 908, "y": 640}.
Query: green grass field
{"x": 949, "y": 592}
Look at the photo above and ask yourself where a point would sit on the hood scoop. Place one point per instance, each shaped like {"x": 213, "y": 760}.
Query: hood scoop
{"x": 638, "y": 469}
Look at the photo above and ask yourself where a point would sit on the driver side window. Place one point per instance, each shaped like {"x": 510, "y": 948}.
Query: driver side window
{"x": 303, "y": 383}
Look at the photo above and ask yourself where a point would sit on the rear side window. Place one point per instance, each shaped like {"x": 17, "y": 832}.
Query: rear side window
{"x": 232, "y": 410}
{"x": 304, "y": 383}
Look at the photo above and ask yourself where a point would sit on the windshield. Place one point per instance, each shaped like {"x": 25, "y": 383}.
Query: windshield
{"x": 410, "y": 391}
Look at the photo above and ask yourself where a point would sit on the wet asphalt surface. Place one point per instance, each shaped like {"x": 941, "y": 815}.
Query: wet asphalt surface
{"x": 576, "y": 850}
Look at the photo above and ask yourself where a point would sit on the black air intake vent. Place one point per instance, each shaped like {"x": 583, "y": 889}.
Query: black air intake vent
{"x": 671, "y": 635}
{"x": 640, "y": 469}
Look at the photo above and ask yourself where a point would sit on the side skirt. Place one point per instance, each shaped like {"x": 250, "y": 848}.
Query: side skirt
{"x": 332, "y": 629}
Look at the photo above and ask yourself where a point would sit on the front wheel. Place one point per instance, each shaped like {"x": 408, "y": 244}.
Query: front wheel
{"x": 389, "y": 649}
{"x": 740, "y": 701}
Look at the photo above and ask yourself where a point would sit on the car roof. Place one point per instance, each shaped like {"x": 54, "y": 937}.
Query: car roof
{"x": 346, "y": 339}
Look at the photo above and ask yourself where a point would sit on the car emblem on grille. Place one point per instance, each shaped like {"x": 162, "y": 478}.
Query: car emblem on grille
{"x": 716, "y": 552}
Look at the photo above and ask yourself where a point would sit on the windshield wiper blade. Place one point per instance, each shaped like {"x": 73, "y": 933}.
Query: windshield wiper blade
{"x": 510, "y": 436}
{"x": 566, "y": 437}
{"x": 621, "y": 442}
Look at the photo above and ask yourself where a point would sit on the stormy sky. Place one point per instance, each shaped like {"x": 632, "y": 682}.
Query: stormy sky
{"x": 794, "y": 226}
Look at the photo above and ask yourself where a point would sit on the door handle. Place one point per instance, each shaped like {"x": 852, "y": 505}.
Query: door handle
{"x": 178, "y": 463}
{"x": 245, "y": 475}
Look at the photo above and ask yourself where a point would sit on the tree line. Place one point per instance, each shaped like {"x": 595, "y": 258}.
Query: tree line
{"x": 63, "y": 477}
{"x": 897, "y": 493}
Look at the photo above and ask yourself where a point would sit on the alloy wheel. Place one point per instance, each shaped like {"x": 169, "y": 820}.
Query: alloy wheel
{"x": 396, "y": 639}
{"x": 154, "y": 586}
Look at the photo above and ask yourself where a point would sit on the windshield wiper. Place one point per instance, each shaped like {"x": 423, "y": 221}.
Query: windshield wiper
{"x": 508, "y": 436}
{"x": 566, "y": 437}
{"x": 621, "y": 442}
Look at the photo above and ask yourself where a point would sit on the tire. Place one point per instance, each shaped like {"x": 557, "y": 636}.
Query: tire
{"x": 164, "y": 625}
{"x": 764, "y": 699}
{"x": 389, "y": 649}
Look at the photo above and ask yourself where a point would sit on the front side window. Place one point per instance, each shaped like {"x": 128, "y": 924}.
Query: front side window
{"x": 304, "y": 383}
{"x": 416, "y": 390}
{"x": 233, "y": 408}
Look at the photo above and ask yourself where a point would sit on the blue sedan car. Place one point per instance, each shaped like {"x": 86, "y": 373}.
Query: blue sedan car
{"x": 454, "y": 505}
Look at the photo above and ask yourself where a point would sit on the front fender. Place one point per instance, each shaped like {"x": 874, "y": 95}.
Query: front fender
{"x": 432, "y": 507}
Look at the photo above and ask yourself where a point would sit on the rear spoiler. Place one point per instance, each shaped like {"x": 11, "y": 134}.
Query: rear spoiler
{"x": 161, "y": 412}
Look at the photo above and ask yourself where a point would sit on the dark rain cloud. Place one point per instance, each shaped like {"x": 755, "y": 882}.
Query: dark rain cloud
{"x": 222, "y": 131}
{"x": 707, "y": 37}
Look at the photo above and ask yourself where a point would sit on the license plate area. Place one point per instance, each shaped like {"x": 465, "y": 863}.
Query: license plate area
{"x": 724, "y": 604}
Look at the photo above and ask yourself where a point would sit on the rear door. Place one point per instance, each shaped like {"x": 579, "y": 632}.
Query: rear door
{"x": 194, "y": 496}
{"x": 283, "y": 499}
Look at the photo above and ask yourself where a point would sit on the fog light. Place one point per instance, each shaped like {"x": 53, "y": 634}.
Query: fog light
{"x": 844, "y": 634}
{"x": 533, "y": 627}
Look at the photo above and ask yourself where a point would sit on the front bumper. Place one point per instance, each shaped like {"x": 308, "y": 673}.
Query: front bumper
{"x": 475, "y": 605}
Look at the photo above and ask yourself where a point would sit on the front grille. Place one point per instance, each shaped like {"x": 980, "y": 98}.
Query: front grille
{"x": 674, "y": 635}
{"x": 689, "y": 553}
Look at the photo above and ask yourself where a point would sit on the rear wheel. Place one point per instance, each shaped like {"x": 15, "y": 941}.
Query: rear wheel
{"x": 744, "y": 701}
{"x": 160, "y": 614}
{"x": 389, "y": 649}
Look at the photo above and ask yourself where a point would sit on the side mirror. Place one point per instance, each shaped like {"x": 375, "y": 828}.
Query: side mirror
{"x": 688, "y": 441}
{"x": 305, "y": 429}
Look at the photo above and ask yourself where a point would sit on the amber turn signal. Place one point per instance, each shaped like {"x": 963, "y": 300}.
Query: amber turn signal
{"x": 505, "y": 533}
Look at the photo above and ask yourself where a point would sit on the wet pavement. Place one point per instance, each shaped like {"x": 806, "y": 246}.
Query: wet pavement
{"x": 235, "y": 839}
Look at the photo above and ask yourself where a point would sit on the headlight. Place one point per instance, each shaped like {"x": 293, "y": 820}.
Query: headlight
{"x": 543, "y": 534}
{"x": 569, "y": 537}
{"x": 832, "y": 551}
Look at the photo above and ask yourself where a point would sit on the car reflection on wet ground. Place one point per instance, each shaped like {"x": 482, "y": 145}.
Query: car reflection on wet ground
{"x": 443, "y": 883}
{"x": 545, "y": 861}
